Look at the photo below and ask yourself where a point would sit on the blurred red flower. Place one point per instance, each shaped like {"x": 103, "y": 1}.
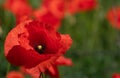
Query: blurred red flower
{"x": 56, "y": 7}
{"x": 60, "y": 7}
{"x": 116, "y": 76}
{"x": 75, "y": 6}
{"x": 33, "y": 45}
{"x": 113, "y": 16}
{"x": 19, "y": 8}
{"x": 51, "y": 12}
{"x": 44, "y": 15}
{"x": 15, "y": 74}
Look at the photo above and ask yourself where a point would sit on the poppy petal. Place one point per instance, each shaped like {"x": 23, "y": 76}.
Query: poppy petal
{"x": 66, "y": 42}
{"x": 64, "y": 61}
{"x": 19, "y": 56}
{"x": 53, "y": 72}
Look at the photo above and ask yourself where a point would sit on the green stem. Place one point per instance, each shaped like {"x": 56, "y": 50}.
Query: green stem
{"x": 42, "y": 75}
{"x": 8, "y": 68}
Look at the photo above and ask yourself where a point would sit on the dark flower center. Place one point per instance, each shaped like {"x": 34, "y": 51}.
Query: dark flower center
{"x": 40, "y": 49}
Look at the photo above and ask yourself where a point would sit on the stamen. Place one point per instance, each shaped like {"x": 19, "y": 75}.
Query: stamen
{"x": 39, "y": 47}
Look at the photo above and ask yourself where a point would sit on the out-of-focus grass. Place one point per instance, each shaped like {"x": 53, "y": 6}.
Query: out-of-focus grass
{"x": 96, "y": 44}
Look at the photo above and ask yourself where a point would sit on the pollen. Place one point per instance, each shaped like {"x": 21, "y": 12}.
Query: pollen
{"x": 39, "y": 47}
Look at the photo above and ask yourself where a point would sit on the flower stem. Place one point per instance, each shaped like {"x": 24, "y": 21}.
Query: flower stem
{"x": 42, "y": 75}
{"x": 8, "y": 68}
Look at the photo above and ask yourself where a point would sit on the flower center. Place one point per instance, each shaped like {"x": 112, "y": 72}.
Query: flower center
{"x": 40, "y": 49}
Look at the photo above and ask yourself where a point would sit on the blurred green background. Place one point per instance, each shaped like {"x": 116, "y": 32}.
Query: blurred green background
{"x": 96, "y": 44}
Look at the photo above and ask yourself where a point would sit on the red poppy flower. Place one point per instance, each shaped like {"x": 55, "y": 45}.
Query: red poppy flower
{"x": 19, "y": 8}
{"x": 32, "y": 45}
{"x": 116, "y": 76}
{"x": 15, "y": 74}
{"x": 44, "y": 15}
{"x": 81, "y": 5}
{"x": 113, "y": 16}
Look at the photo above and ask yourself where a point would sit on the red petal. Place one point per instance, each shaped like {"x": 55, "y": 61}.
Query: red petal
{"x": 53, "y": 72}
{"x": 38, "y": 35}
{"x": 12, "y": 37}
{"x": 42, "y": 67}
{"x": 63, "y": 61}
{"x": 66, "y": 42}
{"x": 19, "y": 56}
